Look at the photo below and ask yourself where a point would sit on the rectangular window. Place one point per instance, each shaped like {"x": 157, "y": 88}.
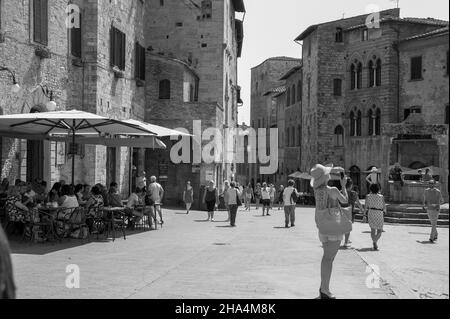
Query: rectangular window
{"x": 40, "y": 21}
{"x": 117, "y": 47}
{"x": 365, "y": 35}
{"x": 75, "y": 40}
{"x": 139, "y": 62}
{"x": 337, "y": 87}
{"x": 412, "y": 110}
{"x": 416, "y": 68}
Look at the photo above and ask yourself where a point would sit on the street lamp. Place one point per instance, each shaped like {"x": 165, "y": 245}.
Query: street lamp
{"x": 15, "y": 87}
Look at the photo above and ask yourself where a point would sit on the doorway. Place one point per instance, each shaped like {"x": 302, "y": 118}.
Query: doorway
{"x": 35, "y": 154}
{"x": 110, "y": 165}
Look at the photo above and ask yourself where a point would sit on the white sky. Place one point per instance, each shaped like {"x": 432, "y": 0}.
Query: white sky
{"x": 271, "y": 26}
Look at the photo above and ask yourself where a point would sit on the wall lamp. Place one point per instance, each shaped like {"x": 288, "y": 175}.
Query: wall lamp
{"x": 15, "y": 87}
{"x": 51, "y": 105}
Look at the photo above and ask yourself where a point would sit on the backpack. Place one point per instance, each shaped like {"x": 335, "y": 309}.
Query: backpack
{"x": 294, "y": 196}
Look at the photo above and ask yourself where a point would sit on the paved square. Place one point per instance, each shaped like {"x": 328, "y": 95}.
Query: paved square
{"x": 190, "y": 258}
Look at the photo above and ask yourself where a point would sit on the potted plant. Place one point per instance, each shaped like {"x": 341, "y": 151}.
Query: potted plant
{"x": 119, "y": 74}
{"x": 42, "y": 52}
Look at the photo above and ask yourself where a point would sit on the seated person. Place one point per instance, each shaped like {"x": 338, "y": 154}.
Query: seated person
{"x": 68, "y": 201}
{"x": 136, "y": 199}
{"x": 93, "y": 204}
{"x": 16, "y": 210}
{"x": 79, "y": 194}
{"x": 53, "y": 195}
{"x": 4, "y": 186}
{"x": 114, "y": 199}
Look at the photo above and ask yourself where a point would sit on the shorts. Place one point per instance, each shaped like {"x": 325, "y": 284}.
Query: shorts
{"x": 211, "y": 205}
{"x": 327, "y": 238}
{"x": 266, "y": 202}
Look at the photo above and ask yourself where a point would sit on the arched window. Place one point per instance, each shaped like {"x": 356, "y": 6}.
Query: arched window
{"x": 359, "y": 76}
{"x": 358, "y": 124}
{"x": 378, "y": 73}
{"x": 371, "y": 119}
{"x": 299, "y": 135}
{"x": 164, "y": 90}
{"x": 352, "y": 124}
{"x": 353, "y": 77}
{"x": 299, "y": 91}
{"x": 371, "y": 75}
{"x": 378, "y": 122}
{"x": 339, "y": 136}
{"x": 288, "y": 95}
{"x": 293, "y": 94}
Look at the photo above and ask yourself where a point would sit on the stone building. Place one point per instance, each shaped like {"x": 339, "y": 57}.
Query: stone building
{"x": 92, "y": 68}
{"x": 265, "y": 83}
{"x": 203, "y": 39}
{"x": 351, "y": 89}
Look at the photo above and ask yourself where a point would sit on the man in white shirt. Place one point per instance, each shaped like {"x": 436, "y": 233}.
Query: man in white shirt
{"x": 156, "y": 193}
{"x": 289, "y": 203}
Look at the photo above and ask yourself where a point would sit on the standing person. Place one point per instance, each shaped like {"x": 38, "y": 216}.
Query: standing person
{"x": 188, "y": 197}
{"x": 226, "y": 187}
{"x": 280, "y": 197}
{"x": 231, "y": 198}
{"x": 353, "y": 200}
{"x": 272, "y": 192}
{"x": 396, "y": 175}
{"x": 428, "y": 177}
{"x": 211, "y": 199}
{"x": 248, "y": 196}
{"x": 375, "y": 210}
{"x": 327, "y": 198}
{"x": 141, "y": 181}
{"x": 373, "y": 177}
{"x": 289, "y": 203}
{"x": 7, "y": 286}
{"x": 156, "y": 193}
{"x": 432, "y": 201}
{"x": 258, "y": 196}
{"x": 265, "y": 195}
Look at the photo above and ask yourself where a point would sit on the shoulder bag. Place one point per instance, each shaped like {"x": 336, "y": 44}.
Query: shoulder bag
{"x": 334, "y": 221}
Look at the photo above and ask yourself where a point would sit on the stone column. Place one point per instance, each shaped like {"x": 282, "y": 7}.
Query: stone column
{"x": 385, "y": 156}
{"x": 442, "y": 141}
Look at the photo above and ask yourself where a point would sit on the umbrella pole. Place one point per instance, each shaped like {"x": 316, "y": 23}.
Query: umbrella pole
{"x": 73, "y": 158}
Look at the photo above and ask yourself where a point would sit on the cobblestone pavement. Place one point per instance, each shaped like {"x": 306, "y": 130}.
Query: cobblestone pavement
{"x": 190, "y": 258}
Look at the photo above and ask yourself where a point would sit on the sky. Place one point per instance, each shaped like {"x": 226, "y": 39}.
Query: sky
{"x": 270, "y": 31}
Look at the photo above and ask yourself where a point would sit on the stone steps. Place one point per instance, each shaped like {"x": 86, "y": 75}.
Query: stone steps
{"x": 400, "y": 218}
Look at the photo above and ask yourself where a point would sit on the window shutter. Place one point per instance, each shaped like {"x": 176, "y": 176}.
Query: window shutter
{"x": 142, "y": 63}
{"x": 37, "y": 20}
{"x": 76, "y": 40}
{"x": 44, "y": 22}
{"x": 111, "y": 46}
{"x": 123, "y": 51}
{"x": 137, "y": 64}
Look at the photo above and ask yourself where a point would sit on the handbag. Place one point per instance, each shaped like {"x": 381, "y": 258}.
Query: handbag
{"x": 334, "y": 221}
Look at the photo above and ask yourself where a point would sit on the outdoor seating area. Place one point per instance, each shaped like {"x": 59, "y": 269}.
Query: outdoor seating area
{"x": 67, "y": 212}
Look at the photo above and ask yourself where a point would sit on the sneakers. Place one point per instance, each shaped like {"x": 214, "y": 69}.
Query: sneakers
{"x": 293, "y": 225}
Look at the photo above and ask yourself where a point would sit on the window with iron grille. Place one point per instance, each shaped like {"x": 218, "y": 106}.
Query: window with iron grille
{"x": 139, "y": 62}
{"x": 416, "y": 68}
{"x": 40, "y": 21}
{"x": 118, "y": 48}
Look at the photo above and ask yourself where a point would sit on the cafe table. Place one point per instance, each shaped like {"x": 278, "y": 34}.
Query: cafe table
{"x": 110, "y": 217}
{"x": 50, "y": 214}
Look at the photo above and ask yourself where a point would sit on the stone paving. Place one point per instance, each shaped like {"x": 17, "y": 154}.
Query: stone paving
{"x": 190, "y": 258}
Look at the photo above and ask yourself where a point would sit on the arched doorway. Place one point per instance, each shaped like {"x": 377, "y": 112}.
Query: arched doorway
{"x": 35, "y": 154}
{"x": 355, "y": 175}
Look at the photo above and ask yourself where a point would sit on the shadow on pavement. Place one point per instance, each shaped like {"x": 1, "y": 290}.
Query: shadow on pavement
{"x": 365, "y": 250}
{"x": 425, "y": 242}
{"x": 202, "y": 221}
{"x": 279, "y": 227}
{"x": 20, "y": 247}
{"x": 228, "y": 226}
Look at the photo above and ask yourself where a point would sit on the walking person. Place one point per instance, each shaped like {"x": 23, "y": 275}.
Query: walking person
{"x": 265, "y": 195}
{"x": 232, "y": 199}
{"x": 353, "y": 200}
{"x": 248, "y": 196}
{"x": 188, "y": 197}
{"x": 272, "y": 192}
{"x": 156, "y": 194}
{"x": 258, "y": 196}
{"x": 290, "y": 195}
{"x": 7, "y": 286}
{"x": 331, "y": 233}
{"x": 280, "y": 197}
{"x": 211, "y": 199}
{"x": 375, "y": 210}
{"x": 226, "y": 187}
{"x": 432, "y": 201}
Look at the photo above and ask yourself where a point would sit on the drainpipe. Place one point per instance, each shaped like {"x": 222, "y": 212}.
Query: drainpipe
{"x": 397, "y": 50}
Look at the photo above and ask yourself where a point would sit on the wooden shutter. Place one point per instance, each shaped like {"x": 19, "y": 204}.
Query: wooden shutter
{"x": 122, "y": 50}
{"x": 37, "y": 21}
{"x": 111, "y": 46}
{"x": 44, "y": 22}
{"x": 142, "y": 63}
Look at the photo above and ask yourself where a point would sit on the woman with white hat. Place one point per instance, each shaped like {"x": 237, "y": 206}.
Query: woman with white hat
{"x": 373, "y": 177}
{"x": 328, "y": 198}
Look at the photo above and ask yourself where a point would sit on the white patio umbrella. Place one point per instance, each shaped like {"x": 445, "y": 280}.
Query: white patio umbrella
{"x": 115, "y": 141}
{"x": 160, "y": 131}
{"x": 73, "y": 123}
